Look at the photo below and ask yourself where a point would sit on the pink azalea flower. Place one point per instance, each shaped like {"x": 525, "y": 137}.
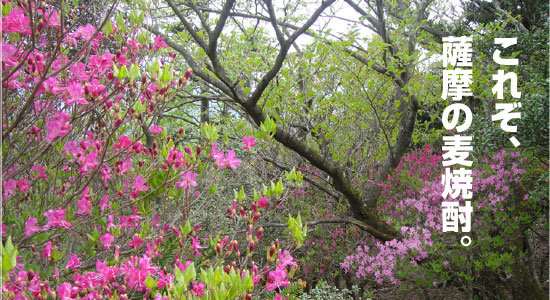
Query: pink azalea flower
{"x": 121, "y": 60}
{"x": 139, "y": 185}
{"x": 231, "y": 160}
{"x": 75, "y": 91}
{"x": 248, "y": 142}
{"x": 47, "y": 251}
{"x": 95, "y": 88}
{"x": 122, "y": 143}
{"x": 278, "y": 297}
{"x": 136, "y": 242}
{"x": 106, "y": 239}
{"x": 104, "y": 203}
{"x": 196, "y": 245}
{"x": 216, "y": 154}
{"x": 9, "y": 187}
{"x": 31, "y": 227}
{"x": 90, "y": 162}
{"x": 285, "y": 259}
{"x": 198, "y": 288}
{"x": 58, "y": 127}
{"x": 158, "y": 296}
{"x": 83, "y": 207}
{"x": 83, "y": 204}
{"x": 56, "y": 218}
{"x": 73, "y": 262}
{"x": 64, "y": 291}
{"x": 159, "y": 43}
{"x": 40, "y": 172}
{"x": 277, "y": 279}
{"x": 263, "y": 201}
{"x": 155, "y": 129}
{"x": 8, "y": 54}
{"x": 52, "y": 18}
{"x": 79, "y": 72}
{"x": 188, "y": 179}
{"x": 16, "y": 22}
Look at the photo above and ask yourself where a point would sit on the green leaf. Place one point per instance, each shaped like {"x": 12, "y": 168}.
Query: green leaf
{"x": 186, "y": 228}
{"x": 108, "y": 28}
{"x": 123, "y": 73}
{"x": 150, "y": 282}
{"x": 166, "y": 74}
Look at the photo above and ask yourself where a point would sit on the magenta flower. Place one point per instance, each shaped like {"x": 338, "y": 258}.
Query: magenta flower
{"x": 231, "y": 160}
{"x": 263, "y": 201}
{"x": 248, "y": 142}
{"x": 139, "y": 184}
{"x": 196, "y": 245}
{"x": 278, "y": 297}
{"x": 64, "y": 291}
{"x": 83, "y": 207}
{"x": 16, "y": 22}
{"x": 83, "y": 204}
{"x": 9, "y": 187}
{"x": 79, "y": 72}
{"x": 136, "y": 242}
{"x": 122, "y": 142}
{"x": 217, "y": 155}
{"x": 285, "y": 259}
{"x": 95, "y": 88}
{"x": 23, "y": 185}
{"x": 126, "y": 166}
{"x": 155, "y": 129}
{"x": 47, "y": 251}
{"x": 56, "y": 218}
{"x": 8, "y": 54}
{"x": 188, "y": 179}
{"x": 104, "y": 203}
{"x": 106, "y": 239}
{"x": 75, "y": 91}
{"x": 31, "y": 227}
{"x": 159, "y": 43}
{"x": 52, "y": 18}
{"x": 198, "y": 289}
{"x": 40, "y": 172}
{"x": 59, "y": 126}
{"x": 90, "y": 162}
{"x": 276, "y": 279}
{"x": 73, "y": 262}
{"x": 158, "y": 296}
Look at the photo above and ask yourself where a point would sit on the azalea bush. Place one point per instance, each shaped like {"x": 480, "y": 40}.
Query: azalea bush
{"x": 99, "y": 199}
{"x": 411, "y": 200}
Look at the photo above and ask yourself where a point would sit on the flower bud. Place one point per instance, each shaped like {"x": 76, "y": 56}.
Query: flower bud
{"x": 188, "y": 151}
{"x": 259, "y": 233}
{"x": 230, "y": 211}
{"x": 236, "y": 246}
{"x": 187, "y": 74}
{"x": 251, "y": 247}
{"x": 257, "y": 215}
{"x": 242, "y": 212}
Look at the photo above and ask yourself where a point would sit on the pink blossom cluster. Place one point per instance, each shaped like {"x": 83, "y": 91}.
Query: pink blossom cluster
{"x": 416, "y": 206}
